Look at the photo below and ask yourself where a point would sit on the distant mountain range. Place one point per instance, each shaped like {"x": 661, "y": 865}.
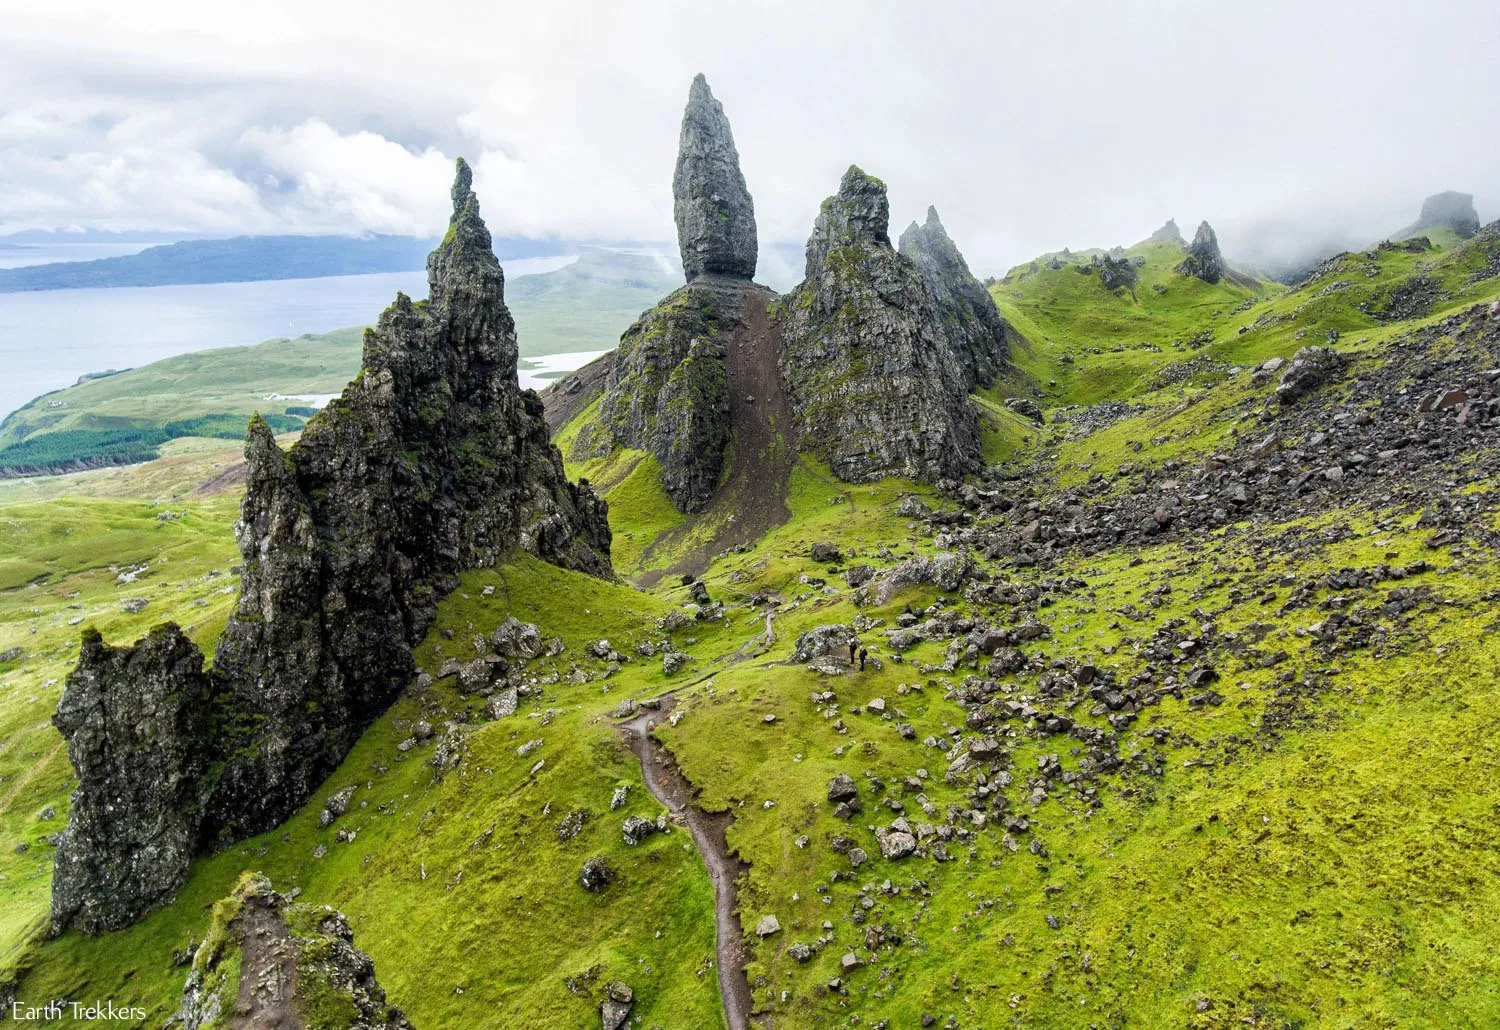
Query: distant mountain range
{"x": 250, "y": 259}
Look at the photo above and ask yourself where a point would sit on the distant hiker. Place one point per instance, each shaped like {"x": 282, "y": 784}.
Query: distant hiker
{"x": 853, "y": 648}
{"x": 862, "y": 655}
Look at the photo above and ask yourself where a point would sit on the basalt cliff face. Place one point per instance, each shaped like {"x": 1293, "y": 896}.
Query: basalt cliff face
{"x": 1204, "y": 260}
{"x": 433, "y": 461}
{"x": 710, "y": 202}
{"x": 876, "y": 386}
{"x": 870, "y": 360}
{"x": 976, "y": 332}
{"x": 667, "y": 391}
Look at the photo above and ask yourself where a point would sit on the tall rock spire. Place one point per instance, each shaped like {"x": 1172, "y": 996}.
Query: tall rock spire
{"x": 714, "y": 212}
{"x": 1204, "y": 260}
{"x": 433, "y": 461}
{"x": 976, "y": 332}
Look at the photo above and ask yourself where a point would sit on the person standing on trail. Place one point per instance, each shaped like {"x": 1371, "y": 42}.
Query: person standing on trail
{"x": 853, "y": 648}
{"x": 862, "y": 655}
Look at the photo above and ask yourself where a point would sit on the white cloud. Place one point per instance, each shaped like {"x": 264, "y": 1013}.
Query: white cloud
{"x": 1030, "y": 126}
{"x": 357, "y": 179}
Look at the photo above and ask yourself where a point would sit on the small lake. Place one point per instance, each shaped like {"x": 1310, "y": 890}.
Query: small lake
{"x": 50, "y": 338}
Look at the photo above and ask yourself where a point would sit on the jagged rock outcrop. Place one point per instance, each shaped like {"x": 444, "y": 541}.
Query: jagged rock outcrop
{"x": 1449, "y": 209}
{"x": 667, "y": 390}
{"x": 138, "y": 723}
{"x": 1168, "y": 233}
{"x": 714, "y": 213}
{"x": 1204, "y": 260}
{"x": 1116, "y": 272}
{"x": 875, "y": 387}
{"x": 668, "y": 393}
{"x": 297, "y": 963}
{"x": 432, "y": 461}
{"x": 976, "y": 332}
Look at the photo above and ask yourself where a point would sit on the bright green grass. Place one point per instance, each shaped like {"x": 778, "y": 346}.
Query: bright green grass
{"x": 60, "y": 563}
{"x": 460, "y": 888}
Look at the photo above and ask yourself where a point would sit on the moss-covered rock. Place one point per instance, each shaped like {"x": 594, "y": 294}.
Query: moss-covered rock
{"x": 875, "y": 385}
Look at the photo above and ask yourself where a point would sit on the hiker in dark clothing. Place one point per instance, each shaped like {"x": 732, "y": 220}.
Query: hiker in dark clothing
{"x": 862, "y": 655}
{"x": 853, "y": 647}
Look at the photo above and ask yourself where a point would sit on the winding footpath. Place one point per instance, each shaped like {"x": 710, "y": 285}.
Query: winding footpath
{"x": 670, "y": 787}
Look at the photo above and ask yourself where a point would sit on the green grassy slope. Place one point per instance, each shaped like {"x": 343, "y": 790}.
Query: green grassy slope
{"x": 1314, "y": 850}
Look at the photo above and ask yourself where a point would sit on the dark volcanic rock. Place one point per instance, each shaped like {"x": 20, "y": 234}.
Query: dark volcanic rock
{"x": 1169, "y": 233}
{"x": 1117, "y": 273}
{"x": 874, "y": 384}
{"x": 668, "y": 390}
{"x": 141, "y": 755}
{"x": 1310, "y": 368}
{"x": 715, "y": 215}
{"x": 1204, "y": 259}
{"x": 296, "y": 962}
{"x": 1448, "y": 209}
{"x": 433, "y": 461}
{"x": 976, "y": 332}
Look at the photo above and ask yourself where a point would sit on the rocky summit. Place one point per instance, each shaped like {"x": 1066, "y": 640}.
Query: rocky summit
{"x": 667, "y": 389}
{"x": 1449, "y": 209}
{"x": 1168, "y": 233}
{"x": 976, "y": 332}
{"x": 269, "y": 961}
{"x": 876, "y": 387}
{"x": 1204, "y": 260}
{"x": 715, "y": 215}
{"x": 433, "y": 461}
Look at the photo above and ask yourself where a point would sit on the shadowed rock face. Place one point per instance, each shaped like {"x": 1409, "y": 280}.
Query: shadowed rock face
{"x": 668, "y": 393}
{"x": 715, "y": 215}
{"x": 432, "y": 461}
{"x": 1448, "y": 209}
{"x": 875, "y": 386}
{"x": 140, "y": 754}
{"x": 1204, "y": 260}
{"x": 976, "y": 332}
{"x": 1169, "y": 233}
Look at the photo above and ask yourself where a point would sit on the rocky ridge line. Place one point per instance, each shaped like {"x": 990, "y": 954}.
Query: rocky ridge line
{"x": 874, "y": 383}
{"x": 433, "y": 461}
{"x": 976, "y": 332}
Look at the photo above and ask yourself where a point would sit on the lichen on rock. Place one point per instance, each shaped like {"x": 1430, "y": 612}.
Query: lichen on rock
{"x": 432, "y": 462}
{"x": 976, "y": 333}
{"x": 875, "y": 386}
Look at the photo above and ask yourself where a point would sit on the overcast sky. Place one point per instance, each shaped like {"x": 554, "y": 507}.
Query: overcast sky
{"x": 1030, "y": 125}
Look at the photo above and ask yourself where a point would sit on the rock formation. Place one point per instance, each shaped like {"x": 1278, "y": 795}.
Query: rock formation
{"x": 1204, "y": 260}
{"x": 138, "y": 722}
{"x": 1168, "y": 233}
{"x": 297, "y": 963}
{"x": 667, "y": 390}
{"x": 432, "y": 461}
{"x": 715, "y": 215}
{"x": 976, "y": 332}
{"x": 875, "y": 387}
{"x": 1116, "y": 272}
{"x": 1448, "y": 209}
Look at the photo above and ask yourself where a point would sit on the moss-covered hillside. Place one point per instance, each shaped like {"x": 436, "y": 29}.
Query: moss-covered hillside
{"x": 1183, "y": 714}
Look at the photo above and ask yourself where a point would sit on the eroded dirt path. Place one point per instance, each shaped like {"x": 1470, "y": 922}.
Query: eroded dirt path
{"x": 670, "y": 787}
{"x": 268, "y": 973}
